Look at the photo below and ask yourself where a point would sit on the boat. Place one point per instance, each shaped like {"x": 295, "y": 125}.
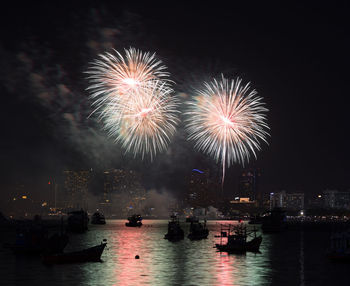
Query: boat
{"x": 78, "y": 221}
{"x": 340, "y": 247}
{"x": 198, "y": 231}
{"x": 34, "y": 240}
{"x": 134, "y": 220}
{"x": 236, "y": 239}
{"x": 175, "y": 232}
{"x": 98, "y": 218}
{"x": 275, "y": 221}
{"x": 92, "y": 254}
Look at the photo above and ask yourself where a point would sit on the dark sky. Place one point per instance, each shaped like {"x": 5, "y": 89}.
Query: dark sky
{"x": 295, "y": 55}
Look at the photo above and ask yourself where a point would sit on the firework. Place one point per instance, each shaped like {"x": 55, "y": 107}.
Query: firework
{"x": 147, "y": 121}
{"x": 114, "y": 78}
{"x": 134, "y": 100}
{"x": 227, "y": 121}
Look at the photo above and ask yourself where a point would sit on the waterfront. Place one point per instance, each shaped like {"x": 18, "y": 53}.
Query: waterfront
{"x": 289, "y": 258}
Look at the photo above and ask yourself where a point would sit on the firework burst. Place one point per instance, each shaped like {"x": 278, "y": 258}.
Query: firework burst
{"x": 227, "y": 121}
{"x": 147, "y": 121}
{"x": 115, "y": 78}
{"x": 133, "y": 97}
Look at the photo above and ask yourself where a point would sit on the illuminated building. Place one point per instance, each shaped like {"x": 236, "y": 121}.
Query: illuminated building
{"x": 248, "y": 185}
{"x": 76, "y": 184}
{"x": 336, "y": 199}
{"x": 201, "y": 190}
{"x": 122, "y": 189}
{"x": 289, "y": 201}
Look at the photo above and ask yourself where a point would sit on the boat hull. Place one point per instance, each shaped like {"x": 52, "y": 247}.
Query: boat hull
{"x": 54, "y": 244}
{"x": 252, "y": 246}
{"x": 130, "y": 224}
{"x": 92, "y": 254}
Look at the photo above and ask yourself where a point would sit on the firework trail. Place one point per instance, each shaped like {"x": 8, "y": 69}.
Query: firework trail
{"x": 226, "y": 120}
{"x": 134, "y": 100}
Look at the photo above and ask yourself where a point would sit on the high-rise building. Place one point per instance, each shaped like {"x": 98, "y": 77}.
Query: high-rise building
{"x": 76, "y": 184}
{"x": 122, "y": 189}
{"x": 200, "y": 191}
{"x": 248, "y": 185}
{"x": 289, "y": 201}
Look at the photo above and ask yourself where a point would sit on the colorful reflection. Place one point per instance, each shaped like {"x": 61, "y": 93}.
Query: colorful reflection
{"x": 129, "y": 242}
{"x": 166, "y": 263}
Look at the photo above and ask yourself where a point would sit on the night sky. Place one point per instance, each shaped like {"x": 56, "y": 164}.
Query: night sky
{"x": 295, "y": 56}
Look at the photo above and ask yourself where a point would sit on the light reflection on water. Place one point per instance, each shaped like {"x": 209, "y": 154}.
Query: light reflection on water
{"x": 166, "y": 263}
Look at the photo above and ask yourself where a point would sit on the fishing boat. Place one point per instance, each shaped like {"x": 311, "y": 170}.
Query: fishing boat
{"x": 98, "y": 218}
{"x": 234, "y": 239}
{"x": 134, "y": 220}
{"x": 340, "y": 246}
{"x": 175, "y": 232}
{"x": 198, "y": 230}
{"x": 92, "y": 254}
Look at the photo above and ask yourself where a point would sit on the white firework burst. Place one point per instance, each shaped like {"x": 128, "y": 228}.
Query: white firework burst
{"x": 227, "y": 120}
{"x": 133, "y": 97}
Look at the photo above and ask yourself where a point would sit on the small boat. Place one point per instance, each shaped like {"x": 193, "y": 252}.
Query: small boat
{"x": 35, "y": 241}
{"x": 78, "y": 221}
{"x": 175, "y": 232}
{"x": 340, "y": 247}
{"x": 237, "y": 239}
{"x": 134, "y": 220}
{"x": 98, "y": 218}
{"x": 198, "y": 231}
{"x": 92, "y": 254}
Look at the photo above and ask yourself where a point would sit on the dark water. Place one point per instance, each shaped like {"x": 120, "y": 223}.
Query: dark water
{"x": 290, "y": 258}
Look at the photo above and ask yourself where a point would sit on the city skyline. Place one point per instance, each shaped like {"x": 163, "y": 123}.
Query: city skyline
{"x": 298, "y": 66}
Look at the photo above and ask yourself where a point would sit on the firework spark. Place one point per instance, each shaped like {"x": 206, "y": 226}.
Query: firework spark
{"x": 227, "y": 120}
{"x": 147, "y": 121}
{"x": 134, "y": 100}
{"x": 114, "y": 78}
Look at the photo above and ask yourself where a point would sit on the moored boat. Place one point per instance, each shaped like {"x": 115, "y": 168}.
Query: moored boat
{"x": 175, "y": 232}
{"x": 34, "y": 240}
{"x": 98, "y": 218}
{"x": 134, "y": 220}
{"x": 198, "y": 231}
{"x": 92, "y": 254}
{"x": 236, "y": 239}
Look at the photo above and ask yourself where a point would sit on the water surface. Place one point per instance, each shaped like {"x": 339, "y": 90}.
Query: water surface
{"x": 290, "y": 258}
